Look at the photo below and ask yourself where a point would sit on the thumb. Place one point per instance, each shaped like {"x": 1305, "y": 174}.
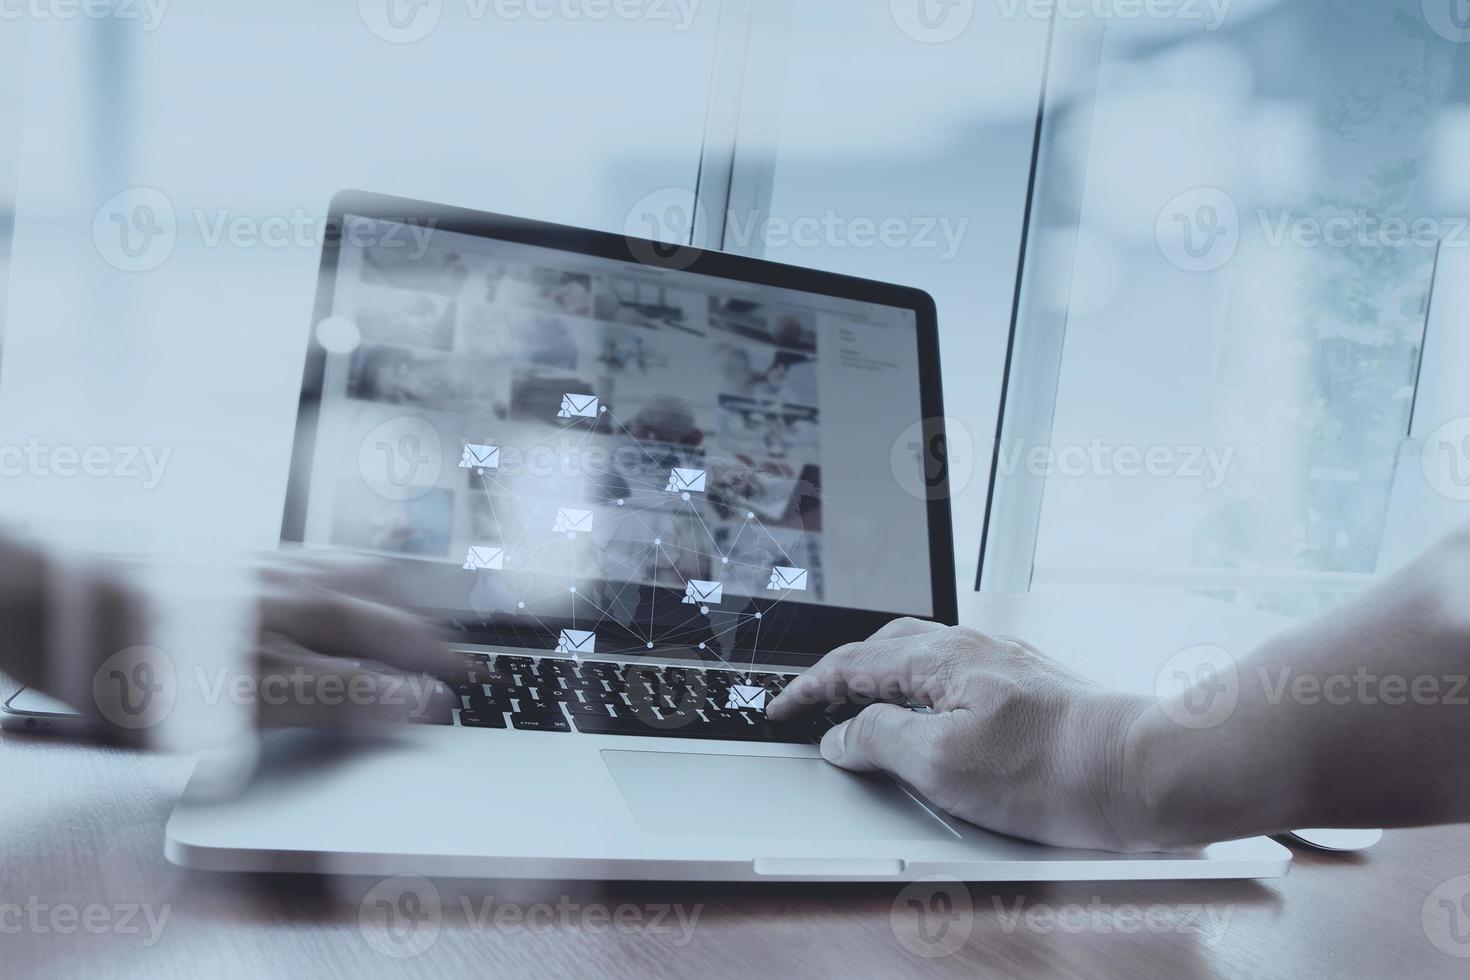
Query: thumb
{"x": 886, "y": 738}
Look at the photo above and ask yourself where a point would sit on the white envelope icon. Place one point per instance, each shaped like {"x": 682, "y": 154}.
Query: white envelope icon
{"x": 578, "y": 407}
{"x": 685, "y": 481}
{"x": 576, "y": 641}
{"x": 787, "y": 578}
{"x": 572, "y": 520}
{"x": 480, "y": 458}
{"x": 744, "y": 697}
{"x": 484, "y": 556}
{"x": 698, "y": 593}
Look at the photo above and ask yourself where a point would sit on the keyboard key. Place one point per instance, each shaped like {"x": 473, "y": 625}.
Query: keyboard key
{"x": 469, "y": 719}
{"x": 540, "y": 722}
{"x": 435, "y": 713}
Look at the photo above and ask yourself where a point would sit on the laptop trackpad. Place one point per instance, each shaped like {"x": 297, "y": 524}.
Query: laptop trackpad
{"x": 688, "y": 794}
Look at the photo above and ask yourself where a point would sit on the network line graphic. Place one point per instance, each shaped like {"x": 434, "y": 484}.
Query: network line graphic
{"x": 656, "y": 515}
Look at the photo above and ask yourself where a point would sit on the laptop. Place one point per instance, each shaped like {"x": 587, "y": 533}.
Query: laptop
{"x": 645, "y": 486}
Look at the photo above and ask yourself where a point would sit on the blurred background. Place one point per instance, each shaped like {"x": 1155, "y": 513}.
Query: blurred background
{"x": 1231, "y": 237}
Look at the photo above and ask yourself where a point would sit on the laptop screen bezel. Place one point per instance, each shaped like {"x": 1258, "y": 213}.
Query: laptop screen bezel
{"x": 816, "y": 629}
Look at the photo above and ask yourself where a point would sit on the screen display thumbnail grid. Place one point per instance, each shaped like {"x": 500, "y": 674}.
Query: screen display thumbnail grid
{"x": 563, "y": 438}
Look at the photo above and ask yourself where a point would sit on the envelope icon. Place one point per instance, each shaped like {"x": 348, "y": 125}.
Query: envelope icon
{"x": 480, "y": 458}
{"x": 783, "y": 578}
{"x": 576, "y": 642}
{"x": 685, "y": 481}
{"x": 578, "y": 407}
{"x": 744, "y": 697}
{"x": 568, "y": 521}
{"x": 483, "y": 557}
{"x": 698, "y": 593}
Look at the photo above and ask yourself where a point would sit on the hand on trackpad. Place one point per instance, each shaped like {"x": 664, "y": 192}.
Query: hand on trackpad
{"x": 689, "y": 794}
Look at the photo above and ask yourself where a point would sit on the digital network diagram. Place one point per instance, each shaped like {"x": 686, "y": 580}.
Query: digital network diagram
{"x": 680, "y": 486}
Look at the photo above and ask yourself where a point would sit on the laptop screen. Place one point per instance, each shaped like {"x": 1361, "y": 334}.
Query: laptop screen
{"x": 610, "y": 454}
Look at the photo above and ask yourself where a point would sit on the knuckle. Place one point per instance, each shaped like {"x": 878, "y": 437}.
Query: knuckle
{"x": 867, "y": 726}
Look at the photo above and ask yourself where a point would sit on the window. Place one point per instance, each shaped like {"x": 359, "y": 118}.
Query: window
{"x": 233, "y": 124}
{"x": 1246, "y": 292}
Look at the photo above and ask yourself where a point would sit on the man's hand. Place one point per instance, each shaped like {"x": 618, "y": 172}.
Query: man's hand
{"x": 198, "y": 655}
{"x": 1015, "y": 742}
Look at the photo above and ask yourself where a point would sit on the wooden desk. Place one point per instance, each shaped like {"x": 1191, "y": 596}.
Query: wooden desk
{"x": 84, "y": 826}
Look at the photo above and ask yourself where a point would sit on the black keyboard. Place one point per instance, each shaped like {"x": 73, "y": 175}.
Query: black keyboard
{"x": 597, "y": 697}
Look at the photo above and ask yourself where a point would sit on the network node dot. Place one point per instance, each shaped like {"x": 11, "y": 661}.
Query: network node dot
{"x": 572, "y": 589}
{"x": 701, "y": 646}
{"x": 621, "y": 502}
{"x": 724, "y": 561}
{"x": 658, "y": 541}
{"x": 750, "y": 515}
{"x": 520, "y": 605}
{"x": 759, "y": 615}
{"x": 603, "y": 410}
{"x": 685, "y": 496}
{"x": 704, "y": 610}
{"x": 650, "y": 646}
